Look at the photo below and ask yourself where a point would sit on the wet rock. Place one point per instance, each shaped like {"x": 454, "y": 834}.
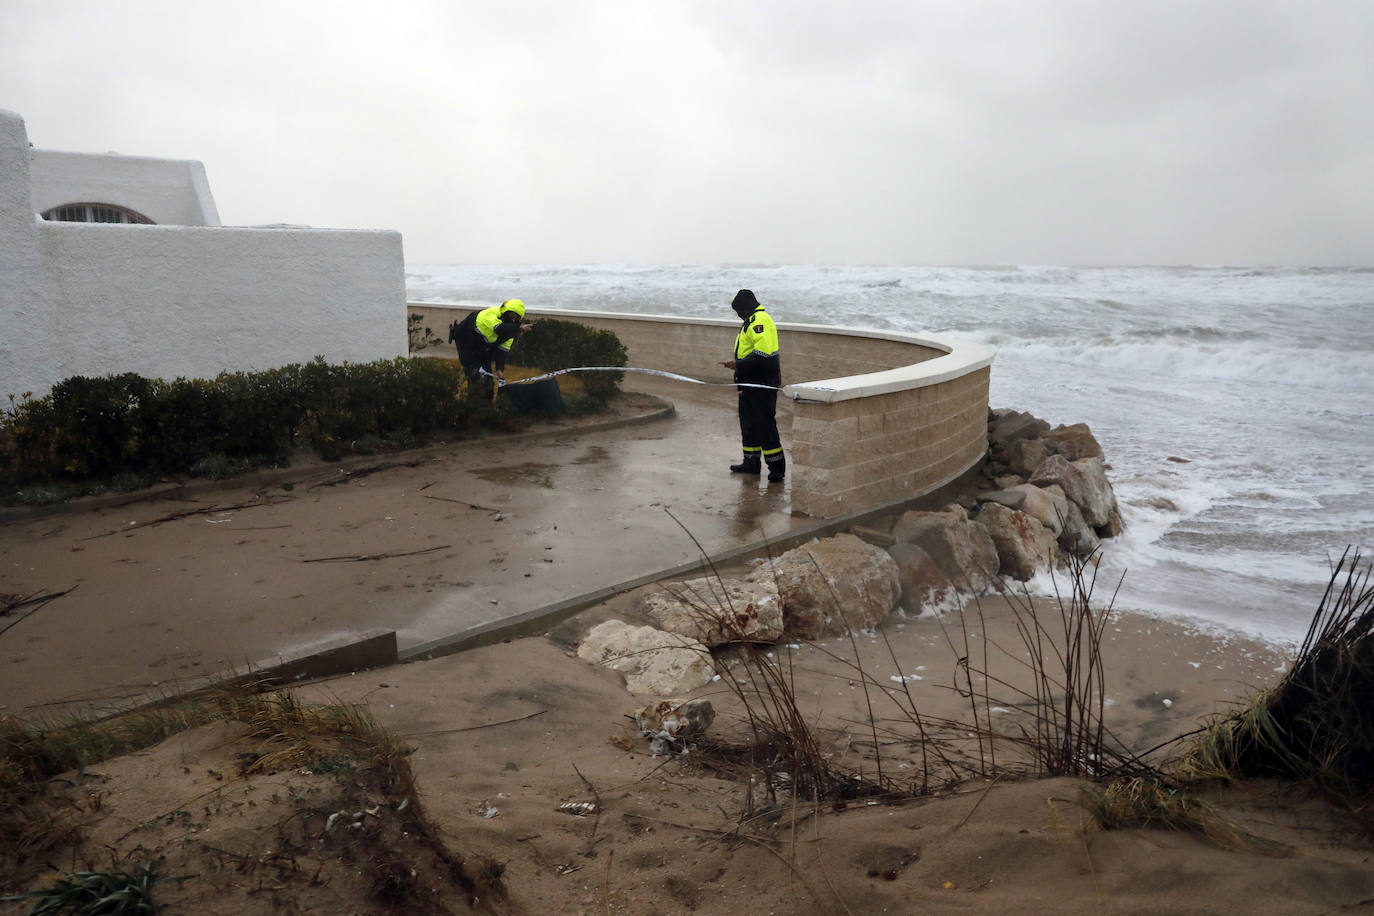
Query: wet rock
{"x": 671, "y": 724}
{"x": 1076, "y": 536}
{"x": 1013, "y": 426}
{"x": 926, "y": 588}
{"x": 1115, "y": 524}
{"x": 1074, "y": 442}
{"x": 1083, "y": 481}
{"x": 1045, "y": 506}
{"x": 873, "y": 536}
{"x": 1025, "y": 455}
{"x": 652, "y": 661}
{"x": 1008, "y": 496}
{"x": 1024, "y": 546}
{"x": 714, "y": 611}
{"x": 835, "y": 584}
{"x": 962, "y": 549}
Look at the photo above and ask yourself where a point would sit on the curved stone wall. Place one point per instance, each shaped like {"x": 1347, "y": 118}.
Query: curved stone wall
{"x": 857, "y": 441}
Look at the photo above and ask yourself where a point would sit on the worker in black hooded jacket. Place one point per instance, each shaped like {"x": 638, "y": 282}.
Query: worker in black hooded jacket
{"x": 757, "y": 362}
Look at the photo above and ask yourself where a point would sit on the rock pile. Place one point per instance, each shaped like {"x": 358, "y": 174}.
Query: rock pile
{"x": 1042, "y": 495}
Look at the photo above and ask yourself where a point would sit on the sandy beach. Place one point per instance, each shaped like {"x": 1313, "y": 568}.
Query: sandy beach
{"x": 505, "y": 738}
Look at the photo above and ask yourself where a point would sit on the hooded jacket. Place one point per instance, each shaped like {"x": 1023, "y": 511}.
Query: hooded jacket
{"x": 757, "y": 359}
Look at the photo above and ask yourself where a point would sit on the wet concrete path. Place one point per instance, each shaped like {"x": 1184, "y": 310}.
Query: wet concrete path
{"x": 465, "y": 537}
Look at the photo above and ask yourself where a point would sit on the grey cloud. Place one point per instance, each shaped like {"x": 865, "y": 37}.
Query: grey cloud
{"x": 687, "y": 131}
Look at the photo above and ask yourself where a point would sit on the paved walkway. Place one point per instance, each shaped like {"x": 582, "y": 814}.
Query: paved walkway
{"x": 477, "y": 540}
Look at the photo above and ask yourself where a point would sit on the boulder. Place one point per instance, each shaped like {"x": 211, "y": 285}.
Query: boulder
{"x": 833, "y": 585}
{"x": 926, "y": 588}
{"x": 1009, "y": 497}
{"x": 1073, "y": 442}
{"x": 1048, "y": 505}
{"x": 1115, "y": 524}
{"x": 652, "y": 661}
{"x": 962, "y": 549}
{"x": 1025, "y": 455}
{"x": 1045, "y": 507}
{"x": 670, "y": 724}
{"x": 1077, "y": 536}
{"x": 714, "y": 611}
{"x": 1015, "y": 425}
{"x": 1084, "y": 482}
{"x": 1023, "y": 544}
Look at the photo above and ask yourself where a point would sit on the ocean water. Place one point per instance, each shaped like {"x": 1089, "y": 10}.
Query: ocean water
{"x": 1235, "y": 405}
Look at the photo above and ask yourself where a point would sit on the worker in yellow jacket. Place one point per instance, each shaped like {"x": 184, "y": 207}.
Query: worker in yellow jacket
{"x": 757, "y": 363}
{"x": 484, "y": 338}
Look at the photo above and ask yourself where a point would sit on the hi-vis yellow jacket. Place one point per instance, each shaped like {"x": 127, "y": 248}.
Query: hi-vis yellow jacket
{"x": 756, "y": 351}
{"x": 490, "y": 321}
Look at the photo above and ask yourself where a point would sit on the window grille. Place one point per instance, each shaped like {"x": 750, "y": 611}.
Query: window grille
{"x": 95, "y": 213}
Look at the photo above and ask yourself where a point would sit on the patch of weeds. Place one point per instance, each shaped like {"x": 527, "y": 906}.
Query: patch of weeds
{"x": 1317, "y": 724}
{"x": 1152, "y": 802}
{"x": 334, "y": 763}
{"x": 218, "y": 467}
{"x": 100, "y": 892}
{"x": 129, "y": 482}
{"x": 41, "y": 495}
{"x": 369, "y": 445}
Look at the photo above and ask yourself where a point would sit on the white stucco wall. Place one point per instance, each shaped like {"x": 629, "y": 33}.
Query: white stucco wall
{"x": 23, "y": 301}
{"x": 173, "y": 192}
{"x": 168, "y": 301}
{"x": 174, "y": 300}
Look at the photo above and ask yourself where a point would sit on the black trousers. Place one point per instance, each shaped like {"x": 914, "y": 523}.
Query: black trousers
{"x": 758, "y": 420}
{"x": 473, "y": 352}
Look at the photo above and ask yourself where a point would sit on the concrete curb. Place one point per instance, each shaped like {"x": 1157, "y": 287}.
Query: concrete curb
{"x": 375, "y": 648}
{"x": 273, "y": 477}
{"x": 541, "y": 618}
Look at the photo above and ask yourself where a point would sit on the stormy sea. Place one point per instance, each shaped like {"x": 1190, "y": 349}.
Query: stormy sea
{"x": 1235, "y": 405}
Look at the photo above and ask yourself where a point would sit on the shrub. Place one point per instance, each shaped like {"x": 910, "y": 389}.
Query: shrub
{"x": 554, "y": 344}
{"x": 127, "y": 427}
{"x": 421, "y": 337}
{"x": 123, "y": 427}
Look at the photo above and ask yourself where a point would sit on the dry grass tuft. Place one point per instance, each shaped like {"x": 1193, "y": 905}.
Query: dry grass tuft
{"x": 369, "y": 765}
{"x": 1317, "y": 724}
{"x": 1147, "y": 801}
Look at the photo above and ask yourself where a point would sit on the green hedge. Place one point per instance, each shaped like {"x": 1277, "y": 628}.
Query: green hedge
{"x": 555, "y": 344}
{"x": 135, "y": 428}
{"x": 101, "y": 428}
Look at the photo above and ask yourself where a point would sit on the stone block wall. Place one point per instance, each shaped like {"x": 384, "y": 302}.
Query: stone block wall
{"x": 865, "y": 452}
{"x": 696, "y": 346}
{"x": 892, "y": 418}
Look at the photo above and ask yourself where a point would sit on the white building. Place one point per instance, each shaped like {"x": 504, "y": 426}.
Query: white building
{"x": 112, "y": 264}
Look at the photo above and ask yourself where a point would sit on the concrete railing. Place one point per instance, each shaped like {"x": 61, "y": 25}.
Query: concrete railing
{"x": 860, "y": 437}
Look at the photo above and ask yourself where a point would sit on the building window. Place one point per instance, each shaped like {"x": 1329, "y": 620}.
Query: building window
{"x": 95, "y": 213}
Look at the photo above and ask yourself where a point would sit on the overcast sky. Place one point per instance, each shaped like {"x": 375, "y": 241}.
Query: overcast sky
{"x": 866, "y": 131}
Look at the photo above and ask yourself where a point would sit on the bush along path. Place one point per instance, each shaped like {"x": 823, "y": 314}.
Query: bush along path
{"x": 123, "y": 431}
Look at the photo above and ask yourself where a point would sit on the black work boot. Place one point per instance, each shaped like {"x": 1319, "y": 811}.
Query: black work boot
{"x": 777, "y": 467}
{"x": 750, "y": 464}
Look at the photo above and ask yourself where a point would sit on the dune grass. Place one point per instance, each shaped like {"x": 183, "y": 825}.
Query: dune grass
{"x": 1317, "y": 724}
{"x": 38, "y": 760}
